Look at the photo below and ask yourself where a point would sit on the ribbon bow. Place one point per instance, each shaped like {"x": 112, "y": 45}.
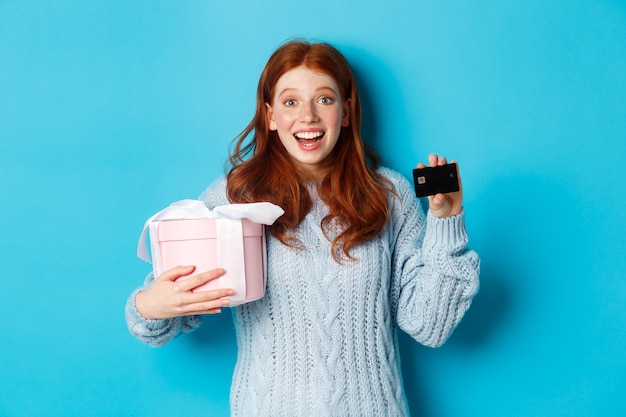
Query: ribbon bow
{"x": 264, "y": 213}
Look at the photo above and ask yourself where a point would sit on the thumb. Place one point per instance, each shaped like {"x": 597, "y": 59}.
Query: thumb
{"x": 439, "y": 205}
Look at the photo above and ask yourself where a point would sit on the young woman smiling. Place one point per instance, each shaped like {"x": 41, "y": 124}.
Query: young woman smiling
{"x": 353, "y": 259}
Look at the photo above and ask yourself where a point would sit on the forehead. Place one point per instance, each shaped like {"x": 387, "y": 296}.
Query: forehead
{"x": 303, "y": 78}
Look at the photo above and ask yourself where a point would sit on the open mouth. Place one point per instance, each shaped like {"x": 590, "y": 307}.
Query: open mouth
{"x": 308, "y": 139}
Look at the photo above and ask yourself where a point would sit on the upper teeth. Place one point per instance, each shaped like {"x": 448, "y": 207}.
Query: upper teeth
{"x": 309, "y": 135}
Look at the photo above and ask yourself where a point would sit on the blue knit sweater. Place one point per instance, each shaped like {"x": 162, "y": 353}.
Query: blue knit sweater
{"x": 323, "y": 341}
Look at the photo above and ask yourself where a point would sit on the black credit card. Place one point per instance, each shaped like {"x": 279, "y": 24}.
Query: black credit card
{"x": 434, "y": 180}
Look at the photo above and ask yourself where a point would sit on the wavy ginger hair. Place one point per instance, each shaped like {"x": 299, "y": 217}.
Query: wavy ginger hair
{"x": 261, "y": 168}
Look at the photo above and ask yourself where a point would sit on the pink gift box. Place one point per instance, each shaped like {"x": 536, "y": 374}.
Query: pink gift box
{"x": 237, "y": 245}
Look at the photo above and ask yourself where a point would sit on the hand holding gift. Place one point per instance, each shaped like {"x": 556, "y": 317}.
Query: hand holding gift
{"x": 223, "y": 248}
{"x": 168, "y": 297}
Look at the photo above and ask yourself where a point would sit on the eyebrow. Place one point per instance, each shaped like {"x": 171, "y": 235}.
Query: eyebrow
{"x": 320, "y": 89}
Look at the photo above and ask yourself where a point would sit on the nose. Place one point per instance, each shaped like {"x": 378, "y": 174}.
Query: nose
{"x": 308, "y": 113}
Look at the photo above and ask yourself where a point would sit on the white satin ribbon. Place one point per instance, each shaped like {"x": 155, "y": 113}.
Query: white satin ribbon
{"x": 230, "y": 255}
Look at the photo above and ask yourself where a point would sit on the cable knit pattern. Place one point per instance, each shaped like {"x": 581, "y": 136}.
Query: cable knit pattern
{"x": 323, "y": 341}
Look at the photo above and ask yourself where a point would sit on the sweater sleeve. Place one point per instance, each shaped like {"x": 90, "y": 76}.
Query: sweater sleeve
{"x": 158, "y": 332}
{"x": 434, "y": 274}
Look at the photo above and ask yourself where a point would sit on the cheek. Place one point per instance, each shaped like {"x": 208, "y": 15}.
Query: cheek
{"x": 284, "y": 120}
{"x": 334, "y": 117}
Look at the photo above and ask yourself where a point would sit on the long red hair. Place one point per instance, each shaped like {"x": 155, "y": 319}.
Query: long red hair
{"x": 261, "y": 169}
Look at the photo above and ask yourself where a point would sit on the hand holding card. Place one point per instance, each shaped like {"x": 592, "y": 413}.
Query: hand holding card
{"x": 441, "y": 182}
{"x": 434, "y": 180}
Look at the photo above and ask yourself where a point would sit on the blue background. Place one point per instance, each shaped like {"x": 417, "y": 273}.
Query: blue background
{"x": 110, "y": 110}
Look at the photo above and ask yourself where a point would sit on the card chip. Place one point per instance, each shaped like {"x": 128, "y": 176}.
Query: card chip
{"x": 421, "y": 180}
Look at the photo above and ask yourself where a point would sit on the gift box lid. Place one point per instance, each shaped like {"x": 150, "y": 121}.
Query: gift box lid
{"x": 191, "y": 229}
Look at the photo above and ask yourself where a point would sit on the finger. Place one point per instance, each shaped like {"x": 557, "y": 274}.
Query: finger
{"x": 200, "y": 297}
{"x": 441, "y": 160}
{"x": 432, "y": 159}
{"x": 437, "y": 201}
{"x": 175, "y": 273}
{"x": 421, "y": 165}
{"x": 211, "y": 306}
{"x": 201, "y": 279}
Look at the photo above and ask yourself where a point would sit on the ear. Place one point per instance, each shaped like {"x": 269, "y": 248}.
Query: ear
{"x": 270, "y": 117}
{"x": 345, "y": 119}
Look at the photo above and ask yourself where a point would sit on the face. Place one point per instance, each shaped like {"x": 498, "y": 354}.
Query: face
{"x": 308, "y": 113}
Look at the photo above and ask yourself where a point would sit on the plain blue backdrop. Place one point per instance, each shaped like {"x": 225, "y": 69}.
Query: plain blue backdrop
{"x": 110, "y": 110}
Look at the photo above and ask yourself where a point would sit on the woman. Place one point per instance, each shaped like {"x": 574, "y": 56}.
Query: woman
{"x": 352, "y": 259}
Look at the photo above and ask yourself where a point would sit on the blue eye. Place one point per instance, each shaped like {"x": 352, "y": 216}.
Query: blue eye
{"x": 289, "y": 102}
{"x": 327, "y": 100}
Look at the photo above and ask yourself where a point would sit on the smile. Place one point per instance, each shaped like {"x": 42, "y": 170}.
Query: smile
{"x": 309, "y": 139}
